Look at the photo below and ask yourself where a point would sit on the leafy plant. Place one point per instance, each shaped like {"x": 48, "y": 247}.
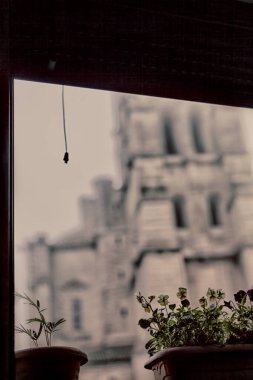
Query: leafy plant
{"x": 213, "y": 321}
{"x": 48, "y": 328}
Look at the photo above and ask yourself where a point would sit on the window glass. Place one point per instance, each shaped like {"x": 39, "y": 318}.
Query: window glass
{"x": 214, "y": 210}
{"x": 170, "y": 141}
{"x": 197, "y": 136}
{"x": 77, "y": 319}
{"x": 179, "y": 212}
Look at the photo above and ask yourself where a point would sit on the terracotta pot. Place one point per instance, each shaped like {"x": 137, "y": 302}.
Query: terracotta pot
{"x": 232, "y": 362}
{"x": 46, "y": 363}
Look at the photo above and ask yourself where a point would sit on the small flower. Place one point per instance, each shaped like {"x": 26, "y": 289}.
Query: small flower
{"x": 250, "y": 294}
{"x": 151, "y": 298}
{"x": 211, "y": 294}
{"x": 185, "y": 302}
{"x": 144, "y": 323}
{"x": 163, "y": 299}
{"x": 138, "y": 297}
{"x": 182, "y": 293}
{"x": 203, "y": 301}
{"x": 220, "y": 294}
{"x": 240, "y": 297}
{"x": 146, "y": 306}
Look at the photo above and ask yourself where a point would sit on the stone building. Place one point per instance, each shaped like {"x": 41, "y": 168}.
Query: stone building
{"x": 182, "y": 217}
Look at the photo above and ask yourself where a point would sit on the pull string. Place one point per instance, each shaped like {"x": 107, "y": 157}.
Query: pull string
{"x": 66, "y": 155}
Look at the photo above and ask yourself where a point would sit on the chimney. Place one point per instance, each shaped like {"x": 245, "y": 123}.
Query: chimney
{"x": 104, "y": 192}
{"x": 89, "y": 213}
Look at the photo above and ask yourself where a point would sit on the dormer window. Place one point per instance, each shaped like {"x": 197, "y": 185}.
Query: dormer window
{"x": 179, "y": 212}
{"x": 170, "y": 142}
{"x": 214, "y": 210}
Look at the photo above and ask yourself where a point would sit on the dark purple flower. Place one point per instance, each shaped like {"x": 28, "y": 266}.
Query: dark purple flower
{"x": 185, "y": 303}
{"x": 228, "y": 304}
{"x": 250, "y": 294}
{"x": 240, "y": 297}
{"x": 144, "y": 323}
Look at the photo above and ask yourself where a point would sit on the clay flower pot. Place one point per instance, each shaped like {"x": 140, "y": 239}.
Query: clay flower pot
{"x": 49, "y": 363}
{"x": 231, "y": 362}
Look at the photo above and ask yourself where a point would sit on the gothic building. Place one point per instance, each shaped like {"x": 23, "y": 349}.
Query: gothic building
{"x": 182, "y": 217}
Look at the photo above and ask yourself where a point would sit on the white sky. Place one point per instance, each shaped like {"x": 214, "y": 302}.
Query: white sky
{"x": 46, "y": 189}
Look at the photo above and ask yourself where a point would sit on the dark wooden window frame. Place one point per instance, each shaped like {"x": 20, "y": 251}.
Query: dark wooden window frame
{"x": 201, "y": 51}
{"x": 7, "y": 225}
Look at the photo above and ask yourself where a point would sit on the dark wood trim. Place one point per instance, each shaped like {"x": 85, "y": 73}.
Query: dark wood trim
{"x": 184, "y": 49}
{"x": 6, "y": 227}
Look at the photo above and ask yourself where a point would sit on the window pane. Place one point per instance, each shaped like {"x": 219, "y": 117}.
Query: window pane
{"x": 197, "y": 136}
{"x": 179, "y": 212}
{"x": 77, "y": 314}
{"x": 170, "y": 142}
{"x": 214, "y": 211}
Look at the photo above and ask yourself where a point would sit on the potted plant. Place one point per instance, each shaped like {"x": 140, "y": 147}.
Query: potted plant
{"x": 45, "y": 363}
{"x": 210, "y": 341}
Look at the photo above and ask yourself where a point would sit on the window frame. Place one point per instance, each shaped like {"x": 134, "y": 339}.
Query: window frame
{"x": 7, "y": 226}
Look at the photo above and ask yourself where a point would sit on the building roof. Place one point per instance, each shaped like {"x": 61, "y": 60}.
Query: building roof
{"x": 74, "y": 240}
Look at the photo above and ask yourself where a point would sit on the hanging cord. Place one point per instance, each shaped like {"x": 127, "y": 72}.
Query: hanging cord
{"x": 66, "y": 155}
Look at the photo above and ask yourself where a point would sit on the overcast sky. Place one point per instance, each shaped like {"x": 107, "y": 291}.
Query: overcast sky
{"x": 46, "y": 189}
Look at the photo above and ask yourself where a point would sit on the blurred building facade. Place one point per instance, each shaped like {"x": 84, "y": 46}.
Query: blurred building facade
{"x": 182, "y": 217}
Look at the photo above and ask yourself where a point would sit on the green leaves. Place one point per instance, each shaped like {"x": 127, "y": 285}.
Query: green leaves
{"x": 214, "y": 321}
{"x": 43, "y": 326}
{"x": 51, "y": 326}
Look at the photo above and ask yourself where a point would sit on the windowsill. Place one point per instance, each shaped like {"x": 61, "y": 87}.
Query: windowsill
{"x": 217, "y": 231}
{"x": 182, "y": 231}
{"x": 204, "y": 158}
{"x": 183, "y": 235}
{"x": 174, "y": 159}
{"x": 74, "y": 335}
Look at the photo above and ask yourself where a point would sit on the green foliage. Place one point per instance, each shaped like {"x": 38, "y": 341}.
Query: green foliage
{"x": 43, "y": 326}
{"x": 213, "y": 321}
